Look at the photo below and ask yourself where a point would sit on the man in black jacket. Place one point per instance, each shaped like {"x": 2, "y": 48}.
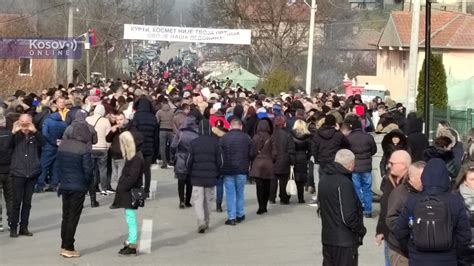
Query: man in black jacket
{"x": 363, "y": 146}
{"x": 203, "y": 163}
{"x": 341, "y": 212}
{"x": 326, "y": 142}
{"x": 75, "y": 165}
{"x": 24, "y": 170}
{"x": 5, "y": 160}
{"x": 237, "y": 150}
{"x": 144, "y": 121}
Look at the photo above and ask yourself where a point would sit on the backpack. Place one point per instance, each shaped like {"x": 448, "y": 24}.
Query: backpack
{"x": 431, "y": 225}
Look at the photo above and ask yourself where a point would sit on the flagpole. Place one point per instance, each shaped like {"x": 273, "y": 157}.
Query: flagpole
{"x": 309, "y": 68}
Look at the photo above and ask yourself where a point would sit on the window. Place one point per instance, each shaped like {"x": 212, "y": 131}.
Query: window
{"x": 25, "y": 66}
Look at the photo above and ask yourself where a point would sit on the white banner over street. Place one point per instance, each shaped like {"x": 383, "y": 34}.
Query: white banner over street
{"x": 184, "y": 34}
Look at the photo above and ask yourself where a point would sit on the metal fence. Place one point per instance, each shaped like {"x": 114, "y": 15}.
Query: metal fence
{"x": 461, "y": 120}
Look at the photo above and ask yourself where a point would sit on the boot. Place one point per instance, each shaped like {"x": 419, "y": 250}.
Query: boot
{"x": 219, "y": 208}
{"x": 94, "y": 202}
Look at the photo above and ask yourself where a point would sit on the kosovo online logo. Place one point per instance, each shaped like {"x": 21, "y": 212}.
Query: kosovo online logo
{"x": 41, "y": 48}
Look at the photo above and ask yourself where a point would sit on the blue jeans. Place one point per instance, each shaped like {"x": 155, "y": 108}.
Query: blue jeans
{"x": 234, "y": 190}
{"x": 363, "y": 186}
{"x": 219, "y": 190}
{"x": 48, "y": 167}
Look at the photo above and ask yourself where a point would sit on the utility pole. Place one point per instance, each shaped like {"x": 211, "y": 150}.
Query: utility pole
{"x": 427, "y": 67}
{"x": 413, "y": 60}
{"x": 106, "y": 45}
{"x": 309, "y": 68}
{"x": 70, "y": 34}
{"x": 464, "y": 6}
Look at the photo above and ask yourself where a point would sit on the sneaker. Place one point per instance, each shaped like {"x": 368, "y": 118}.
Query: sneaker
{"x": 111, "y": 191}
{"x": 39, "y": 190}
{"x": 181, "y": 205}
{"x": 13, "y": 233}
{"x": 188, "y": 205}
{"x": 70, "y": 254}
{"x": 130, "y": 250}
{"x": 231, "y": 222}
{"x": 103, "y": 193}
{"x": 272, "y": 201}
{"x": 368, "y": 215}
{"x": 240, "y": 219}
{"x": 219, "y": 208}
{"x": 1, "y": 228}
{"x": 164, "y": 166}
{"x": 301, "y": 201}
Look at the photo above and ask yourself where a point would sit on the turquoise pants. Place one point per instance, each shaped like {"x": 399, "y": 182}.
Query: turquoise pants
{"x": 131, "y": 218}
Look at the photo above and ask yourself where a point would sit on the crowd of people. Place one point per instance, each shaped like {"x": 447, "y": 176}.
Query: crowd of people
{"x": 103, "y": 137}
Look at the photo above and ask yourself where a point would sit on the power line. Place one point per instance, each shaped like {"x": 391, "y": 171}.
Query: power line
{"x": 22, "y": 17}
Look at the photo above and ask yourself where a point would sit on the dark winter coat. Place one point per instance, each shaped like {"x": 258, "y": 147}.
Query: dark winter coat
{"x": 417, "y": 141}
{"x": 302, "y": 155}
{"x": 237, "y": 150}
{"x": 326, "y": 143}
{"x": 340, "y": 208}
{"x": 251, "y": 125}
{"x": 74, "y": 160}
{"x": 26, "y": 155}
{"x": 39, "y": 118}
{"x": 396, "y": 202}
{"x": 132, "y": 175}
{"x": 436, "y": 182}
{"x": 181, "y": 145}
{"x": 388, "y": 148}
{"x": 5, "y": 150}
{"x": 178, "y": 120}
{"x": 113, "y": 137}
{"x": 53, "y": 129}
{"x": 363, "y": 146}
{"x": 447, "y": 157}
{"x": 285, "y": 152}
{"x": 144, "y": 121}
{"x": 204, "y": 159}
{"x": 262, "y": 165}
{"x": 71, "y": 115}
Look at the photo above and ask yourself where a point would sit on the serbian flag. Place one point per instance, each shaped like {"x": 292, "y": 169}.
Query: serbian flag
{"x": 92, "y": 37}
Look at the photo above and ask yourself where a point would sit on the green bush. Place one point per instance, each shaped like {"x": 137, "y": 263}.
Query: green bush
{"x": 277, "y": 81}
{"x": 437, "y": 86}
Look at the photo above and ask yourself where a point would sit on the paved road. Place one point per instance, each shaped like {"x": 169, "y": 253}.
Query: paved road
{"x": 172, "y": 51}
{"x": 287, "y": 235}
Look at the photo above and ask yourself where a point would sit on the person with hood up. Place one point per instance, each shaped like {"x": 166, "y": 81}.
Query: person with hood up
{"x": 180, "y": 148}
{"x": 393, "y": 141}
{"x": 436, "y": 183}
{"x": 442, "y": 149}
{"x": 416, "y": 140}
{"x": 285, "y": 150}
{"x": 144, "y": 121}
{"x": 74, "y": 163}
{"x": 203, "y": 163}
{"x": 302, "y": 139}
{"x": 53, "y": 130}
{"x": 261, "y": 168}
{"x": 131, "y": 177}
{"x": 164, "y": 118}
{"x": 326, "y": 142}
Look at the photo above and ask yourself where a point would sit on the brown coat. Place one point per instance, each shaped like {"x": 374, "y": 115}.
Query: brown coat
{"x": 262, "y": 165}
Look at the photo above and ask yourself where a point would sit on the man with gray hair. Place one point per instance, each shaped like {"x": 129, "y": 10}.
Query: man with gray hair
{"x": 5, "y": 179}
{"x": 341, "y": 212}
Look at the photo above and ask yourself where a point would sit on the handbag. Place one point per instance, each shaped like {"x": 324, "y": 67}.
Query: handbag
{"x": 138, "y": 197}
{"x": 291, "y": 188}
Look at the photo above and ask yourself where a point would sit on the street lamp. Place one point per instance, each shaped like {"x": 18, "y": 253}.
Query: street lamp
{"x": 309, "y": 68}
{"x": 427, "y": 67}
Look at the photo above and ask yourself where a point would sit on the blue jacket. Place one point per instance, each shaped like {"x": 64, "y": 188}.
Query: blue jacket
{"x": 436, "y": 182}
{"x": 53, "y": 129}
{"x": 74, "y": 160}
{"x": 237, "y": 151}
